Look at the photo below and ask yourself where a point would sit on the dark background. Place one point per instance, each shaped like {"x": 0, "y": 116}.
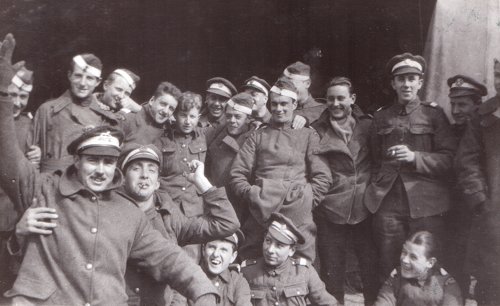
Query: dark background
{"x": 187, "y": 42}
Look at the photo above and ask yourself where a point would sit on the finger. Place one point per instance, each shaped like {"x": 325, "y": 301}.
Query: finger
{"x": 17, "y": 66}
{"x": 43, "y": 210}
{"x": 40, "y": 231}
{"x": 42, "y": 225}
{"x": 40, "y": 216}
{"x": 8, "y": 46}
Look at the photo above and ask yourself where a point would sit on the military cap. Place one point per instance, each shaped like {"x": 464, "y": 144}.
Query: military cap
{"x": 237, "y": 238}
{"x": 23, "y": 79}
{"x": 298, "y": 71}
{"x": 102, "y": 141}
{"x": 129, "y": 77}
{"x": 282, "y": 229}
{"x": 134, "y": 151}
{"x": 90, "y": 63}
{"x": 221, "y": 87}
{"x": 242, "y": 102}
{"x": 285, "y": 87}
{"x": 461, "y": 85}
{"x": 406, "y": 63}
{"x": 257, "y": 84}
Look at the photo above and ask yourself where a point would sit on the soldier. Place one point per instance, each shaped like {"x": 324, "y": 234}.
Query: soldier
{"x": 477, "y": 166}
{"x": 219, "y": 90}
{"x": 118, "y": 87}
{"x": 342, "y": 217}
{"x": 307, "y": 107}
{"x": 259, "y": 90}
{"x": 412, "y": 145}
{"x": 226, "y": 142}
{"x": 278, "y": 170}
{"x": 58, "y": 122}
{"x": 217, "y": 257}
{"x": 154, "y": 118}
{"x": 280, "y": 279}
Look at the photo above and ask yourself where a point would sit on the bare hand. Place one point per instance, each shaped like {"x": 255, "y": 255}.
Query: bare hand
{"x": 38, "y": 220}
{"x": 197, "y": 176}
{"x": 298, "y": 122}
{"x": 34, "y": 155}
{"x": 401, "y": 153}
{"x": 7, "y": 70}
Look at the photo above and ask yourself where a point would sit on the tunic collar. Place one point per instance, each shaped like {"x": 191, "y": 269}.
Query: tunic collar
{"x": 69, "y": 183}
{"x": 274, "y": 271}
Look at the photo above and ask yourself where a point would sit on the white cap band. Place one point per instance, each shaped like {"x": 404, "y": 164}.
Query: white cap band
{"x": 298, "y": 77}
{"x": 284, "y": 92}
{"x": 21, "y": 85}
{"x": 461, "y": 83}
{"x": 101, "y": 140}
{"x": 126, "y": 76}
{"x": 220, "y": 86}
{"x": 407, "y": 63}
{"x": 259, "y": 86}
{"x": 283, "y": 229}
{"x": 86, "y": 67}
{"x": 239, "y": 107}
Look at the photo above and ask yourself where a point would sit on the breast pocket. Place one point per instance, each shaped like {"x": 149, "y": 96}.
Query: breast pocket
{"x": 168, "y": 160}
{"x": 296, "y": 295}
{"x": 198, "y": 151}
{"x": 258, "y": 297}
{"x": 422, "y": 137}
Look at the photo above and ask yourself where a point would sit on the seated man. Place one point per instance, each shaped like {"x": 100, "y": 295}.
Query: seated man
{"x": 217, "y": 256}
{"x": 277, "y": 277}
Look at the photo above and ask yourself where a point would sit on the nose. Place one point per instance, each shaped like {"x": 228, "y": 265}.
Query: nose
{"x": 100, "y": 167}
{"x": 216, "y": 253}
{"x": 144, "y": 173}
{"x": 404, "y": 259}
{"x": 232, "y": 119}
{"x": 454, "y": 109}
{"x": 271, "y": 249}
{"x": 83, "y": 80}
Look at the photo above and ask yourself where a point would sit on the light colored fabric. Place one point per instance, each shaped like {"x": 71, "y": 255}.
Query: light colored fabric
{"x": 463, "y": 38}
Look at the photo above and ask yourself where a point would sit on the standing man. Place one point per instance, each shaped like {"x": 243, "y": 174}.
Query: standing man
{"x": 279, "y": 279}
{"x": 58, "y": 122}
{"x": 412, "y": 145}
{"x": 342, "y": 216}
{"x": 278, "y": 170}
{"x": 118, "y": 87}
{"x": 477, "y": 165}
{"x": 307, "y": 107}
{"x": 219, "y": 90}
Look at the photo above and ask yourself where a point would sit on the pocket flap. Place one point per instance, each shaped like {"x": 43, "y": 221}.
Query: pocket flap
{"x": 32, "y": 288}
{"x": 385, "y": 130}
{"x": 197, "y": 148}
{"x": 295, "y": 291}
{"x": 258, "y": 294}
{"x": 168, "y": 149}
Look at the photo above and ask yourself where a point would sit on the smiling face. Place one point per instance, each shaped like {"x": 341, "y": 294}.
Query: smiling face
{"x": 414, "y": 262}
{"x": 115, "y": 91}
{"x": 462, "y": 108}
{"x": 95, "y": 172}
{"x": 235, "y": 121}
{"x": 19, "y": 98}
{"x": 407, "y": 87}
{"x": 215, "y": 104}
{"x": 82, "y": 84}
{"x": 218, "y": 255}
{"x": 276, "y": 252}
{"x": 187, "y": 120}
{"x": 282, "y": 108}
{"x": 163, "y": 107}
{"x": 339, "y": 101}
{"x": 259, "y": 97}
{"x": 141, "y": 179}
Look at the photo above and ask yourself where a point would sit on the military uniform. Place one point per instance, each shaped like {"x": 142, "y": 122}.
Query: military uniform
{"x": 233, "y": 288}
{"x": 208, "y": 121}
{"x": 58, "y": 122}
{"x": 278, "y": 170}
{"x": 291, "y": 283}
{"x": 142, "y": 128}
{"x": 439, "y": 289}
{"x": 310, "y": 109}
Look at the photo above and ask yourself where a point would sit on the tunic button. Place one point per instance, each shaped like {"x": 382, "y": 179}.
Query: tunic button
{"x": 276, "y": 303}
{"x": 274, "y": 288}
{"x": 87, "y": 304}
{"x": 298, "y": 292}
{"x": 93, "y": 230}
{"x": 183, "y": 188}
{"x": 184, "y": 159}
{"x": 201, "y": 149}
{"x": 164, "y": 150}
{"x": 137, "y": 290}
{"x": 13, "y": 181}
{"x": 217, "y": 284}
{"x": 93, "y": 198}
{"x": 183, "y": 145}
{"x": 88, "y": 266}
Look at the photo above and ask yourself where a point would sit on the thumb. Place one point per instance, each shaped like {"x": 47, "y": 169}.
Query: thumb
{"x": 17, "y": 66}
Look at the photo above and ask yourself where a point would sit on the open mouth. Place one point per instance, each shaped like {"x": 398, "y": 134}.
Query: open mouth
{"x": 98, "y": 180}
{"x": 143, "y": 185}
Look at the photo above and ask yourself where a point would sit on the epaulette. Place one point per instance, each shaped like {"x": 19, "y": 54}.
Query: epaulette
{"x": 29, "y": 115}
{"x": 312, "y": 128}
{"x": 450, "y": 281}
{"x": 261, "y": 126}
{"x": 248, "y": 262}
{"x": 443, "y": 272}
{"x": 394, "y": 273}
{"x": 234, "y": 267}
{"x": 300, "y": 262}
{"x": 366, "y": 116}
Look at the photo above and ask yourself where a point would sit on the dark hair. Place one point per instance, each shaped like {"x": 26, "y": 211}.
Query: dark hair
{"x": 90, "y": 59}
{"x": 187, "y": 101}
{"x": 429, "y": 241}
{"x": 112, "y": 76}
{"x": 167, "y": 88}
{"x": 341, "y": 81}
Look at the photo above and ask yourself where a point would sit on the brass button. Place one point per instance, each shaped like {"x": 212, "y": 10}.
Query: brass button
{"x": 88, "y": 266}
{"x": 93, "y": 198}
{"x": 184, "y": 159}
{"x": 137, "y": 290}
{"x": 93, "y": 230}
{"x": 183, "y": 145}
{"x": 183, "y": 188}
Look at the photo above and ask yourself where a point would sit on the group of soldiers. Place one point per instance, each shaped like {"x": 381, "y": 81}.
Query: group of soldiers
{"x": 226, "y": 200}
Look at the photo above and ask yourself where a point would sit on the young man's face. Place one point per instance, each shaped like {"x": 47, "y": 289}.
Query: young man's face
{"x": 163, "y": 107}
{"x": 407, "y": 87}
{"x": 141, "y": 179}
{"x": 115, "y": 91}
{"x": 19, "y": 98}
{"x": 235, "y": 121}
{"x": 462, "y": 108}
{"x": 215, "y": 104}
{"x": 282, "y": 108}
{"x": 187, "y": 120}
{"x": 259, "y": 97}
{"x": 339, "y": 101}
{"x": 82, "y": 84}
{"x": 218, "y": 255}
{"x": 95, "y": 172}
{"x": 276, "y": 252}
{"x": 414, "y": 262}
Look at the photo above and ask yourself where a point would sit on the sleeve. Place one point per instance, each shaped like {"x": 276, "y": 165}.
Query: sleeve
{"x": 317, "y": 291}
{"x": 375, "y": 149}
{"x": 242, "y": 293}
{"x": 165, "y": 261}
{"x": 438, "y": 162}
{"x": 242, "y": 168}
{"x": 452, "y": 294}
{"x": 220, "y": 220}
{"x": 386, "y": 295}
{"x": 320, "y": 175}
{"x": 468, "y": 166}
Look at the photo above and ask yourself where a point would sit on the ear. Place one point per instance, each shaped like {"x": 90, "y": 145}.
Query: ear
{"x": 157, "y": 184}
{"x": 307, "y": 83}
{"x": 105, "y": 85}
{"x": 420, "y": 81}
{"x": 393, "y": 84}
{"x": 233, "y": 257}
{"x": 295, "y": 104}
{"x": 76, "y": 160}
{"x": 151, "y": 100}
{"x": 292, "y": 250}
{"x": 69, "y": 74}
{"x": 431, "y": 262}
{"x": 353, "y": 97}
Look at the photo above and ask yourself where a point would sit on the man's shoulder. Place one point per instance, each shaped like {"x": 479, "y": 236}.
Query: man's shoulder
{"x": 489, "y": 106}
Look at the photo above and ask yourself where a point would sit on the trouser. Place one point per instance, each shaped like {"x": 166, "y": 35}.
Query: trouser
{"x": 8, "y": 265}
{"x": 332, "y": 249}
{"x": 392, "y": 225}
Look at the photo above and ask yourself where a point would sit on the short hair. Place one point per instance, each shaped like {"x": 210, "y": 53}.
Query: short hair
{"x": 112, "y": 76}
{"x": 90, "y": 59}
{"x": 167, "y": 88}
{"x": 341, "y": 81}
{"x": 427, "y": 240}
{"x": 285, "y": 83}
{"x": 187, "y": 101}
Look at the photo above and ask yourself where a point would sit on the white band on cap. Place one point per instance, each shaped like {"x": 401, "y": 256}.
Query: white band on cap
{"x": 21, "y": 85}
{"x": 461, "y": 83}
{"x": 259, "y": 86}
{"x": 86, "y": 67}
{"x": 298, "y": 77}
{"x": 284, "y": 92}
{"x": 283, "y": 229}
{"x": 407, "y": 63}
{"x": 101, "y": 140}
{"x": 220, "y": 86}
{"x": 239, "y": 107}
{"x": 126, "y": 76}
{"x": 139, "y": 150}
{"x": 235, "y": 237}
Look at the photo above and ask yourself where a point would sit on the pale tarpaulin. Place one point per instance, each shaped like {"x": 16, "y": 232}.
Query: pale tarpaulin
{"x": 463, "y": 38}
